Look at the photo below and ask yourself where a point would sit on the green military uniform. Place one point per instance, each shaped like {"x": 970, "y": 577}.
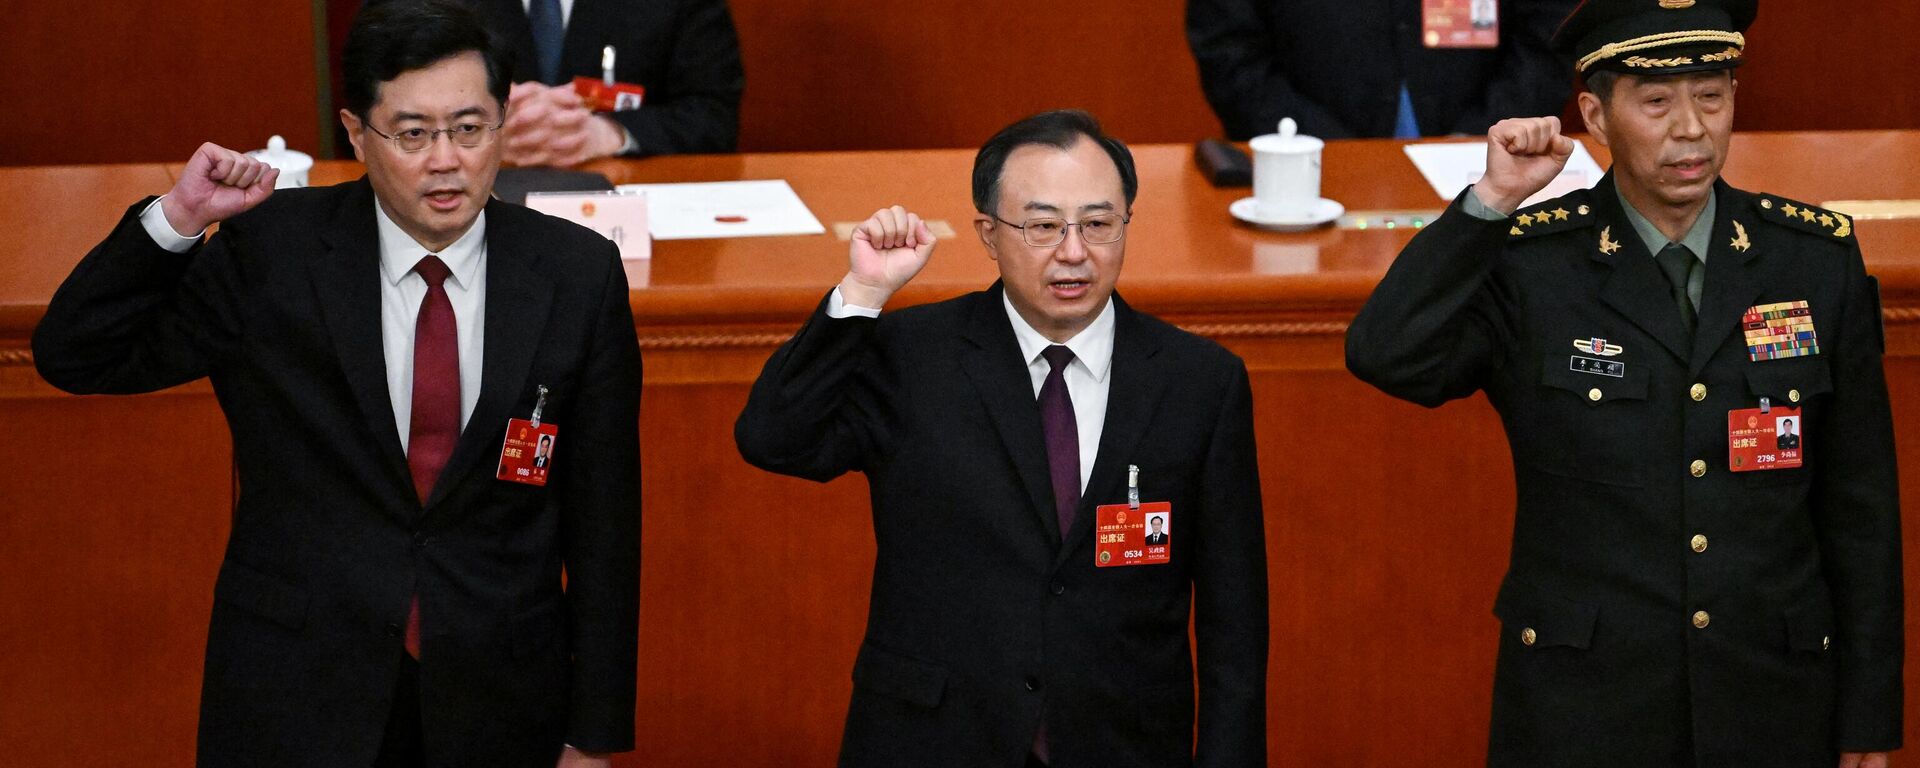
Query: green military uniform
{"x": 1666, "y": 603}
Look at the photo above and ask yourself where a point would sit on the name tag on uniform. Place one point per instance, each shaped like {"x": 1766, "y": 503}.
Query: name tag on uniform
{"x": 1761, "y": 439}
{"x": 1595, "y": 365}
{"x": 1129, "y": 535}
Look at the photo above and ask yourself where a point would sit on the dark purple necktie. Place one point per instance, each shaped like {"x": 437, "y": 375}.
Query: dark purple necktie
{"x": 1063, "y": 463}
{"x": 1063, "y": 436}
{"x": 435, "y": 423}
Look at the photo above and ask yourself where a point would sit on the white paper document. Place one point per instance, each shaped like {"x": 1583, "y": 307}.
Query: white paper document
{"x": 725, "y": 209}
{"x": 1451, "y": 167}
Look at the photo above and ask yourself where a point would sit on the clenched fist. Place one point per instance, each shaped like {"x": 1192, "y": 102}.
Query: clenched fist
{"x": 1524, "y": 154}
{"x": 885, "y": 252}
{"x": 217, "y": 185}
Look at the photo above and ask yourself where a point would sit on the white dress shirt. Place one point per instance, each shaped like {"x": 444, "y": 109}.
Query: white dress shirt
{"x": 1086, "y": 375}
{"x": 566, "y": 10}
{"x": 401, "y": 291}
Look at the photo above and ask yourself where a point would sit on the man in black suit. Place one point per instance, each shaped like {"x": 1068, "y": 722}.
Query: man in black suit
{"x": 1665, "y": 605}
{"x": 685, "y": 53}
{"x": 1787, "y": 440}
{"x": 1156, "y": 535}
{"x": 1353, "y": 70}
{"x": 992, "y": 428}
{"x": 384, "y": 599}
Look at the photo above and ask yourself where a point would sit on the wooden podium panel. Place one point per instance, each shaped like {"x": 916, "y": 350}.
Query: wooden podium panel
{"x": 1384, "y": 552}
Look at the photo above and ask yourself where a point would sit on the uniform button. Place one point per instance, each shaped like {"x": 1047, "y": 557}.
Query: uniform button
{"x": 1594, "y": 394}
{"x": 1699, "y": 392}
{"x": 1698, "y": 468}
{"x": 1699, "y": 543}
{"x": 1059, "y": 589}
{"x": 1528, "y": 636}
{"x": 1793, "y": 395}
{"x": 1033, "y": 684}
{"x": 1826, "y": 642}
{"x": 1701, "y": 619}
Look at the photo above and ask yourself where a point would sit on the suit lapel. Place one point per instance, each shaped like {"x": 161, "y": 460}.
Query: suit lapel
{"x": 1732, "y": 282}
{"x": 518, "y": 300}
{"x": 1636, "y": 288}
{"x": 347, "y": 280}
{"x": 1134, "y": 385}
{"x": 994, "y": 366}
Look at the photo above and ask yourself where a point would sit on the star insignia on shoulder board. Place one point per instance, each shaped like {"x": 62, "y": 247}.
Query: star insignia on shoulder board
{"x": 1806, "y": 218}
{"x": 1607, "y": 245}
{"x": 1560, "y": 214}
{"x": 1740, "y": 241}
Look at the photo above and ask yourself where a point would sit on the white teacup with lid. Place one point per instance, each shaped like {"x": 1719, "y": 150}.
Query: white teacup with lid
{"x": 1286, "y": 173}
{"x": 293, "y": 164}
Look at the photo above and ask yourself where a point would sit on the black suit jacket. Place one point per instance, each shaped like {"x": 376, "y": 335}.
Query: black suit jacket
{"x": 281, "y": 310}
{"x": 1336, "y": 66}
{"x": 684, "y": 52}
{"x": 980, "y": 619}
{"x": 1659, "y": 608}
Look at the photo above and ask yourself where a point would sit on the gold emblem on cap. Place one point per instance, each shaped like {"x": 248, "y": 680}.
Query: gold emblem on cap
{"x": 1676, "y": 4}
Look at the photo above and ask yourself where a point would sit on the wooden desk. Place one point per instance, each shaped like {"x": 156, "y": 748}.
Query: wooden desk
{"x": 1383, "y": 568}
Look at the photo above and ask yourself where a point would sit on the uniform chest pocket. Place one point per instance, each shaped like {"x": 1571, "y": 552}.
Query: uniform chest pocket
{"x": 1594, "y": 380}
{"x": 1587, "y": 420}
{"x": 1790, "y": 382}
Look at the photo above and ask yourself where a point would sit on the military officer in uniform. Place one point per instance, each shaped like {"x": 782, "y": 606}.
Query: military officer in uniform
{"x": 1666, "y": 604}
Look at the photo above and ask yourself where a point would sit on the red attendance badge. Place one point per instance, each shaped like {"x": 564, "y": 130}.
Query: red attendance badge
{"x": 1764, "y": 438}
{"x": 1128, "y": 535}
{"x": 526, "y": 454}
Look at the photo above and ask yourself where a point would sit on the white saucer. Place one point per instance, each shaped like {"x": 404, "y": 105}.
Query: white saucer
{"x": 1247, "y": 209}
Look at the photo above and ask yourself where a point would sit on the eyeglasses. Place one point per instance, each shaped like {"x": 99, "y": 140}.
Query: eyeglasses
{"x": 467, "y": 135}
{"x": 1048, "y": 231}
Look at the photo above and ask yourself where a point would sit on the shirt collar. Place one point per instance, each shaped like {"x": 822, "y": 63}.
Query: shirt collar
{"x": 399, "y": 251}
{"x": 1696, "y": 241}
{"x": 1092, "y": 346}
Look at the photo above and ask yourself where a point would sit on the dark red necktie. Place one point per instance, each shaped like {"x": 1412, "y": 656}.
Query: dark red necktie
{"x": 435, "y": 423}
{"x": 1063, "y": 436}
{"x": 1062, "y": 432}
